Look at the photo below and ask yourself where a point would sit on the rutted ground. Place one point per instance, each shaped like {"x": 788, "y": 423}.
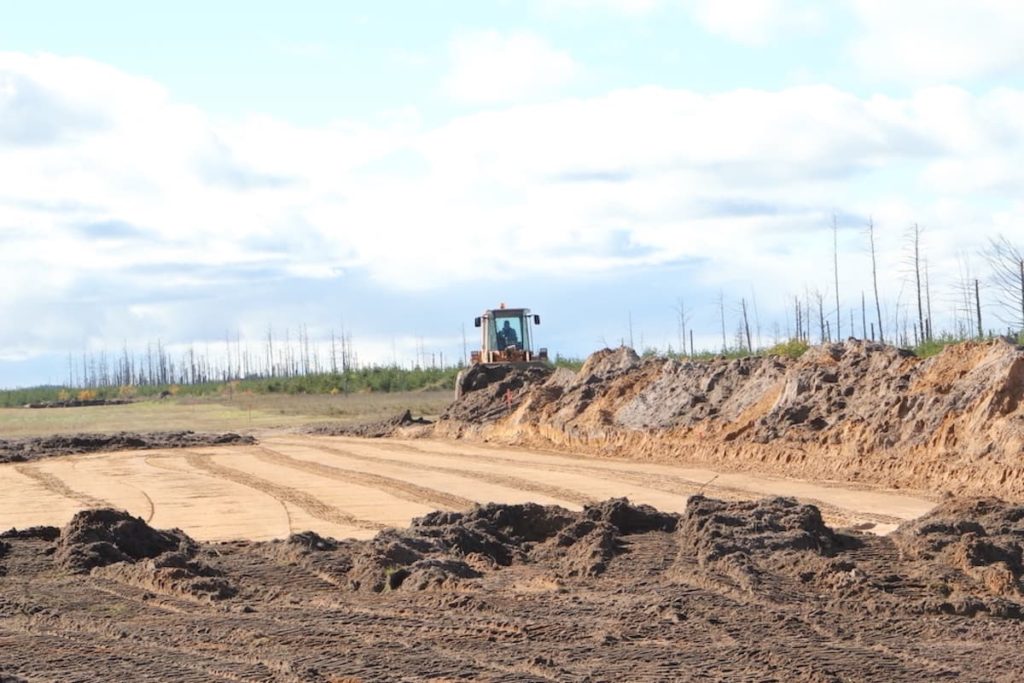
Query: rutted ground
{"x": 352, "y": 487}
{"x": 546, "y": 582}
{"x": 741, "y": 591}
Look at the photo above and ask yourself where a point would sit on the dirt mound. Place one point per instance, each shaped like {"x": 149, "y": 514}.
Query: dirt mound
{"x": 96, "y": 538}
{"x": 115, "y": 544}
{"x": 176, "y": 573}
{"x": 444, "y": 549}
{"x": 856, "y": 411}
{"x": 80, "y": 403}
{"x": 737, "y": 537}
{"x": 369, "y": 430}
{"x": 629, "y": 518}
{"x": 23, "y": 450}
{"x": 493, "y": 393}
{"x": 45, "y": 533}
{"x": 975, "y": 549}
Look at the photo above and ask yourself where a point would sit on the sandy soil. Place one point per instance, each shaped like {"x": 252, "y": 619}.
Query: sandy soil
{"x": 348, "y": 487}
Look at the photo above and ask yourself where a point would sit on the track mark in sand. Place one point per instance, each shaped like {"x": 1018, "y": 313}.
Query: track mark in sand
{"x": 142, "y": 492}
{"x": 666, "y": 483}
{"x": 396, "y": 487}
{"x": 314, "y": 506}
{"x": 151, "y": 461}
{"x": 56, "y": 485}
{"x": 499, "y": 479}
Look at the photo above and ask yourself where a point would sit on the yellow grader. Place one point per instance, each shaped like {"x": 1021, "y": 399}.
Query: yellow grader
{"x": 506, "y": 343}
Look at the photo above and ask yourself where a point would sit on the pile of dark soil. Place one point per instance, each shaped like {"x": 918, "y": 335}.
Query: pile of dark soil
{"x": 369, "y": 430}
{"x": 976, "y": 550}
{"x": 493, "y": 392}
{"x": 125, "y": 547}
{"x": 46, "y": 533}
{"x": 738, "y": 537}
{"x": 80, "y": 403}
{"x": 442, "y": 549}
{"x": 96, "y": 538}
{"x": 35, "y": 448}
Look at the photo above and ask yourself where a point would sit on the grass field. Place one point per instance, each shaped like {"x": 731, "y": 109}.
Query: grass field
{"x": 241, "y": 413}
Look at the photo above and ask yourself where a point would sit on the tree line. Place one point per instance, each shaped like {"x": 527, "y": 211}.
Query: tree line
{"x": 981, "y": 305}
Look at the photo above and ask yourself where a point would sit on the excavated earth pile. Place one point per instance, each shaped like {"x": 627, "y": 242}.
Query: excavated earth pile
{"x": 36, "y": 448}
{"x": 730, "y": 591}
{"x": 369, "y": 430}
{"x": 853, "y": 411}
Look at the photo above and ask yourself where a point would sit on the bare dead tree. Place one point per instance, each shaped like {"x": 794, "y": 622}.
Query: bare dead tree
{"x": 721, "y": 311}
{"x": 835, "y": 272}
{"x": 682, "y": 318}
{"x": 798, "y": 318}
{"x": 914, "y": 244}
{"x": 746, "y": 325}
{"x": 927, "y": 301}
{"x": 819, "y": 299}
{"x": 1007, "y": 263}
{"x": 977, "y": 302}
{"x": 863, "y": 316}
{"x": 874, "y": 278}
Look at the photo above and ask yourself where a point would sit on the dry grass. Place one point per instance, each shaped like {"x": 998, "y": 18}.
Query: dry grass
{"x": 240, "y": 413}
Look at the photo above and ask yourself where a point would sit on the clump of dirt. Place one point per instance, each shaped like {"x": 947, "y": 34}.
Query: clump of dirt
{"x": 629, "y": 518}
{"x": 369, "y": 430}
{"x": 102, "y": 536}
{"x": 80, "y": 403}
{"x": 737, "y": 537}
{"x": 35, "y": 448}
{"x": 116, "y": 544}
{"x": 975, "y": 551}
{"x": 443, "y": 550}
{"x": 45, "y": 533}
{"x": 176, "y": 573}
{"x": 857, "y": 410}
{"x": 493, "y": 392}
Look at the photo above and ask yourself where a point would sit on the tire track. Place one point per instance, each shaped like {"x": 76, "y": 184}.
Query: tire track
{"x": 398, "y": 488}
{"x": 121, "y": 481}
{"x": 665, "y": 483}
{"x": 310, "y": 504}
{"x": 54, "y": 484}
{"x": 505, "y": 480}
{"x": 150, "y": 460}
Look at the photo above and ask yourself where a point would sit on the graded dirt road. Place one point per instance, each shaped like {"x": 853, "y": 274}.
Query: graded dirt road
{"x": 352, "y": 488}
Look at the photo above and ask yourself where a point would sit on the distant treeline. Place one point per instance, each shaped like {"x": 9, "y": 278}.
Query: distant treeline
{"x": 376, "y": 378}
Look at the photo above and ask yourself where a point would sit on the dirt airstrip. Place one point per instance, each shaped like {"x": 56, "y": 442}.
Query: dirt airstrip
{"x": 498, "y": 544}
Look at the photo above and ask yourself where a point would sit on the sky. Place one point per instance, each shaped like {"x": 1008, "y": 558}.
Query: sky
{"x": 390, "y": 169}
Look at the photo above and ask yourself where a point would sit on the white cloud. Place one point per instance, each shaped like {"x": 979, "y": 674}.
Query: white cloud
{"x": 634, "y": 7}
{"x": 751, "y": 22}
{"x": 939, "y": 41}
{"x": 489, "y": 67}
{"x": 756, "y": 22}
{"x": 162, "y": 202}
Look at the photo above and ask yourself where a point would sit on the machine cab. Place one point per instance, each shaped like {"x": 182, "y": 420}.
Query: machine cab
{"x": 506, "y": 335}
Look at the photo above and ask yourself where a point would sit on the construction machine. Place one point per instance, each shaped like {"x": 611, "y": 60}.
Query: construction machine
{"x": 506, "y": 343}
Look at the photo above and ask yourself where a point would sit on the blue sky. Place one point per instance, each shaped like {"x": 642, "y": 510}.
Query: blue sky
{"x": 395, "y": 167}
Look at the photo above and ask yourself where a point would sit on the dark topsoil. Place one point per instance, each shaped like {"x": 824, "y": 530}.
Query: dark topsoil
{"x": 759, "y": 590}
{"x": 35, "y": 448}
{"x": 368, "y": 430}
